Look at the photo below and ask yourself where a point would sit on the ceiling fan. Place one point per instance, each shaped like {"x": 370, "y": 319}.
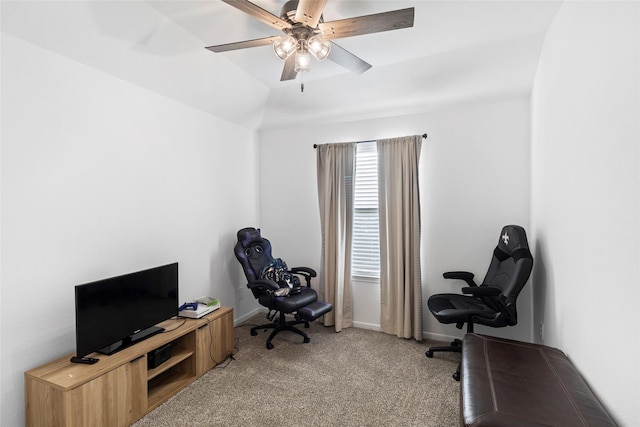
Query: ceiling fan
{"x": 306, "y": 33}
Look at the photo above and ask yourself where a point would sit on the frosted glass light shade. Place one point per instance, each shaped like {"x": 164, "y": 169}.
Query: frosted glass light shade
{"x": 285, "y": 46}
{"x": 303, "y": 62}
{"x": 319, "y": 48}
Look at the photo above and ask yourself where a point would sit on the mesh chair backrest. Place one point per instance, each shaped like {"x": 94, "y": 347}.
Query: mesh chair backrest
{"x": 510, "y": 267}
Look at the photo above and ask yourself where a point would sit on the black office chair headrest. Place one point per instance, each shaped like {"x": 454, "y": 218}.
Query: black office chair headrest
{"x": 249, "y": 236}
{"x": 512, "y": 243}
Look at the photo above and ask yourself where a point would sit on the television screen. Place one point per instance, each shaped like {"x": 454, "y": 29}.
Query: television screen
{"x": 114, "y": 313}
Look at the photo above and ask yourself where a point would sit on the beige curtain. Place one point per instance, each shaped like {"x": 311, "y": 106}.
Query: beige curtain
{"x": 336, "y": 166}
{"x": 399, "y": 209}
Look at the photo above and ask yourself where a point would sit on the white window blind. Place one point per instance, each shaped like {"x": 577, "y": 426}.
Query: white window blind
{"x": 365, "y": 251}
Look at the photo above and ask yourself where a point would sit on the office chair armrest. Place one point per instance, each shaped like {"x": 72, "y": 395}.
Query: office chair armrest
{"x": 263, "y": 283}
{"x": 488, "y": 291}
{"x": 461, "y": 275}
{"x": 305, "y": 272}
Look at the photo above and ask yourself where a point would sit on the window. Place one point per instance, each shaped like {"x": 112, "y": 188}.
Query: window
{"x": 365, "y": 251}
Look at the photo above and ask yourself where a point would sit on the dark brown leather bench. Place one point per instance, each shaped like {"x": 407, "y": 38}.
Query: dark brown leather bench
{"x": 513, "y": 383}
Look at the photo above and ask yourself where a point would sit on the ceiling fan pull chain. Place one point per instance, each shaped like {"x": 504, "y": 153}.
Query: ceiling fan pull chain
{"x": 301, "y": 82}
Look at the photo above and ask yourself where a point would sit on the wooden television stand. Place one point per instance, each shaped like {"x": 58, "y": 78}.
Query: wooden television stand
{"x": 120, "y": 389}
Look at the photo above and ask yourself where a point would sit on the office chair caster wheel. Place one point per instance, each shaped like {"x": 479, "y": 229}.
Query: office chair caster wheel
{"x": 456, "y": 375}
{"x": 269, "y": 346}
{"x": 307, "y": 339}
{"x": 429, "y": 353}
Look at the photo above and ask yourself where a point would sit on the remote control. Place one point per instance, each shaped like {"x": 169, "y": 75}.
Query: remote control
{"x": 85, "y": 360}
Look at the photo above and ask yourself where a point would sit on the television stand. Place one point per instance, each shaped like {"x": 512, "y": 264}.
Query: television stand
{"x": 122, "y": 388}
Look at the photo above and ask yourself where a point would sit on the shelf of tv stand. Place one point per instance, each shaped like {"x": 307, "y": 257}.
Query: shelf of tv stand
{"x": 161, "y": 388}
{"x": 175, "y": 359}
{"x": 164, "y": 380}
{"x": 120, "y": 388}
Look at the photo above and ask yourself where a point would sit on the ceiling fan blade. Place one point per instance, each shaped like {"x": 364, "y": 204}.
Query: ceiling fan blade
{"x": 309, "y": 12}
{"x": 378, "y": 22}
{"x": 259, "y": 13}
{"x": 243, "y": 45}
{"x": 347, "y": 59}
{"x": 288, "y": 71}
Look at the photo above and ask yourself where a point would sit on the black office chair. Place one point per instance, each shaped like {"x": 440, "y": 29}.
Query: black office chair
{"x": 254, "y": 253}
{"x": 493, "y": 303}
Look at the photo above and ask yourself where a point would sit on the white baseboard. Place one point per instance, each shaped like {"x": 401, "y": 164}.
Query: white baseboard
{"x": 361, "y": 325}
{"x": 439, "y": 337}
{"x": 369, "y": 326}
{"x": 425, "y": 335}
{"x": 248, "y": 316}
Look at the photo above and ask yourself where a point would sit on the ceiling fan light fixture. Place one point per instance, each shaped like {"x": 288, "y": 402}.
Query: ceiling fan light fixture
{"x": 303, "y": 62}
{"x": 303, "y": 26}
{"x": 285, "y": 46}
{"x": 318, "y": 47}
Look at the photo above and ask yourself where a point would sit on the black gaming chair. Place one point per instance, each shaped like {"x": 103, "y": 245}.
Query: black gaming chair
{"x": 493, "y": 303}
{"x": 254, "y": 253}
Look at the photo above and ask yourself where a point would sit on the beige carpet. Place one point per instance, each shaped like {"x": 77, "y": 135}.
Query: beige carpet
{"x": 353, "y": 378}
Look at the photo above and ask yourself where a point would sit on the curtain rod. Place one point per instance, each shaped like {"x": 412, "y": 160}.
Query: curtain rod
{"x": 424, "y": 136}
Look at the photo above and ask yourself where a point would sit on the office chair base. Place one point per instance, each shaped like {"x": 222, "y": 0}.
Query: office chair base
{"x": 282, "y": 325}
{"x": 286, "y": 327}
{"x": 455, "y": 347}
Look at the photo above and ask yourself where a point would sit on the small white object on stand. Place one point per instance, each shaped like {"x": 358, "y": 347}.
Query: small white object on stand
{"x": 201, "y": 311}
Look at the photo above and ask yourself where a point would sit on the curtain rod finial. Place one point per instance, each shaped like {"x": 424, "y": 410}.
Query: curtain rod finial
{"x": 424, "y": 135}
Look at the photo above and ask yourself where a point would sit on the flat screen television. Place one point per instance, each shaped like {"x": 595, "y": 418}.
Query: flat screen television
{"x": 114, "y": 313}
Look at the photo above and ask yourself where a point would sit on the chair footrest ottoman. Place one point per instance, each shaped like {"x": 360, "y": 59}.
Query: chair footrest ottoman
{"x": 314, "y": 310}
{"x": 507, "y": 383}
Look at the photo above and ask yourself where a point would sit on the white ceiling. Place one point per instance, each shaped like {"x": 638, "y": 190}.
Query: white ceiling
{"x": 457, "y": 51}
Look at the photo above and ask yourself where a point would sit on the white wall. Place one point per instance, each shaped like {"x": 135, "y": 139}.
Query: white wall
{"x": 100, "y": 178}
{"x": 136, "y": 42}
{"x": 475, "y": 171}
{"x": 586, "y": 197}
